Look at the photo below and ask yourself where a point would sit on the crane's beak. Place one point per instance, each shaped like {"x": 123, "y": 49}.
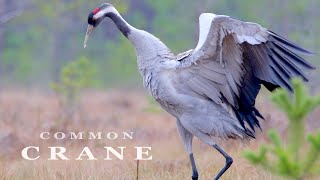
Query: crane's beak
{"x": 89, "y": 30}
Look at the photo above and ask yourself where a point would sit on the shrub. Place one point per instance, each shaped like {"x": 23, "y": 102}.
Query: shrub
{"x": 74, "y": 77}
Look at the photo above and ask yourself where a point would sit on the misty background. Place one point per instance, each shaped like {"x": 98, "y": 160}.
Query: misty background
{"x": 50, "y": 83}
{"x": 38, "y": 38}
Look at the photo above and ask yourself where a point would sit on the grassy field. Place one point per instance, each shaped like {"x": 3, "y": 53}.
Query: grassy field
{"x": 25, "y": 114}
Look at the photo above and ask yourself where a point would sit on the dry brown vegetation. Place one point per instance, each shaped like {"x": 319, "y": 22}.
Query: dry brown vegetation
{"x": 24, "y": 115}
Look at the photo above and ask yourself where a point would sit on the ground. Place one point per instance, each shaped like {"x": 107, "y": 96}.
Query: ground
{"x": 25, "y": 114}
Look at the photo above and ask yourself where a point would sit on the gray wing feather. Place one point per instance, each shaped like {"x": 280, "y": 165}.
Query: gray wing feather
{"x": 233, "y": 58}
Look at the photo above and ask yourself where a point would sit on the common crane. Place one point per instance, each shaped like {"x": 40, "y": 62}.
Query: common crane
{"x": 211, "y": 90}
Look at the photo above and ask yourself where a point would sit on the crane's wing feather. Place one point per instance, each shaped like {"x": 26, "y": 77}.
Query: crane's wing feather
{"x": 231, "y": 61}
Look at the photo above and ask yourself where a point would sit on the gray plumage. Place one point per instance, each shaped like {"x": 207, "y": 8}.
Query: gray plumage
{"x": 211, "y": 90}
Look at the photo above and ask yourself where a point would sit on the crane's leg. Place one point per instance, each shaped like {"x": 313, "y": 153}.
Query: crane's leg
{"x": 228, "y": 161}
{"x": 195, "y": 173}
{"x": 187, "y": 141}
{"x": 206, "y": 138}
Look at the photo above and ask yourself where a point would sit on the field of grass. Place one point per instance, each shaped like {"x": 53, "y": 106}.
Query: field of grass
{"x": 25, "y": 114}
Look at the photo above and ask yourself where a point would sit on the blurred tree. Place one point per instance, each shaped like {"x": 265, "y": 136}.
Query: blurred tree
{"x": 75, "y": 77}
{"x": 8, "y": 11}
{"x": 2, "y": 11}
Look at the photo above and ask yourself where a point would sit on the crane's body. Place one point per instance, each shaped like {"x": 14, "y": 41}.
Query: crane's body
{"x": 158, "y": 65}
{"x": 211, "y": 89}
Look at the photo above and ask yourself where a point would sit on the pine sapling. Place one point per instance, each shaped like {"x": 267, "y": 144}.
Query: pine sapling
{"x": 298, "y": 156}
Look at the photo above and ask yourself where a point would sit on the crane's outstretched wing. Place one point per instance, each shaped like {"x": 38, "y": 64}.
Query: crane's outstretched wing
{"x": 231, "y": 61}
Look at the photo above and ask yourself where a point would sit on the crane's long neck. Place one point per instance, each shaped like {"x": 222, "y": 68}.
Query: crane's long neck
{"x": 146, "y": 45}
{"x": 150, "y": 51}
{"x": 122, "y": 25}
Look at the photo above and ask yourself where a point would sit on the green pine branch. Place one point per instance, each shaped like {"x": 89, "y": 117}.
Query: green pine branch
{"x": 299, "y": 157}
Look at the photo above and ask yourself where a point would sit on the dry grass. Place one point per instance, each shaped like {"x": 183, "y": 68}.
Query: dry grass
{"x": 24, "y": 115}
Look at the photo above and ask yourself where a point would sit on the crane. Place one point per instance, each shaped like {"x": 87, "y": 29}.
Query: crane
{"x": 211, "y": 89}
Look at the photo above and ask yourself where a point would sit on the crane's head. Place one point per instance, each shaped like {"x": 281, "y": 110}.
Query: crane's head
{"x": 96, "y": 16}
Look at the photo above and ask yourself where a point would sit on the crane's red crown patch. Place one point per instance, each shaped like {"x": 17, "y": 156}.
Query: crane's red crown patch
{"x": 96, "y": 10}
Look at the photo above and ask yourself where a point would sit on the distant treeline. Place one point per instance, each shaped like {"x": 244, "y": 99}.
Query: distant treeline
{"x": 39, "y": 37}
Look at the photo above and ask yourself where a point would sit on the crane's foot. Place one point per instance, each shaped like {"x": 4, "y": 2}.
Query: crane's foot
{"x": 229, "y": 161}
{"x": 195, "y": 175}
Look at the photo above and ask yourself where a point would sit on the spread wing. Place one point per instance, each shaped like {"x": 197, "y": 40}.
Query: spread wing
{"x": 231, "y": 61}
